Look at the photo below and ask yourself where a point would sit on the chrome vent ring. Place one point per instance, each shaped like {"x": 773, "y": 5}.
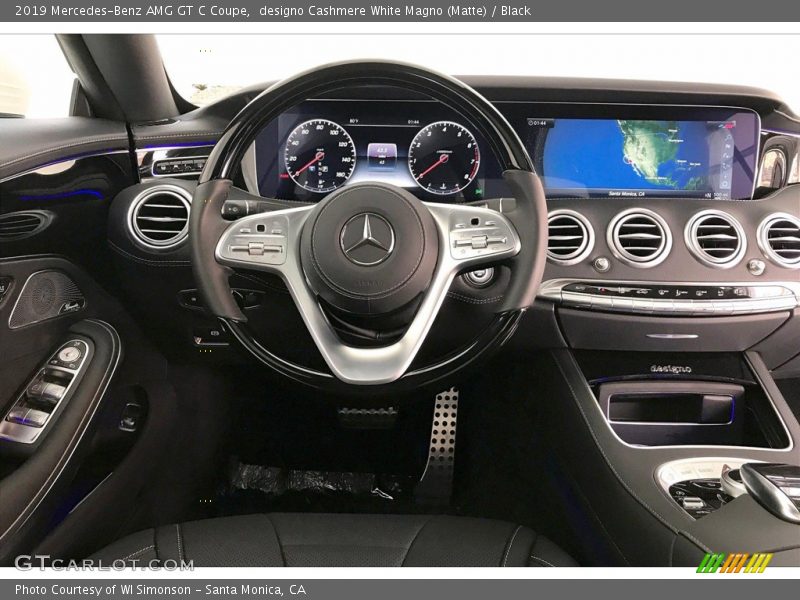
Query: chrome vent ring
{"x": 779, "y": 239}
{"x": 716, "y": 239}
{"x": 639, "y": 237}
{"x": 570, "y": 237}
{"x": 159, "y": 216}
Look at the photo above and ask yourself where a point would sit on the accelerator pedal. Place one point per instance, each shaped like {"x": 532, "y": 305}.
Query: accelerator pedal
{"x": 435, "y": 488}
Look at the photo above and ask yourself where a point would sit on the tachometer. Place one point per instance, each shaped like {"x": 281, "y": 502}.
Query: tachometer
{"x": 320, "y": 155}
{"x": 444, "y": 157}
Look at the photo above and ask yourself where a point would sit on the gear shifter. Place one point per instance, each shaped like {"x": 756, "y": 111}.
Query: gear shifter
{"x": 776, "y": 487}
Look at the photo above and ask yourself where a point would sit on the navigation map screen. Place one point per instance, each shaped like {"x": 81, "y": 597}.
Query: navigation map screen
{"x": 710, "y": 158}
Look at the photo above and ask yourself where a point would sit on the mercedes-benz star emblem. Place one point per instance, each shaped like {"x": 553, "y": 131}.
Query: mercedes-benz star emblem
{"x": 367, "y": 239}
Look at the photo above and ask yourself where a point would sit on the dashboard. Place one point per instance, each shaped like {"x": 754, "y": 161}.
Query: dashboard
{"x": 581, "y": 151}
{"x": 673, "y": 210}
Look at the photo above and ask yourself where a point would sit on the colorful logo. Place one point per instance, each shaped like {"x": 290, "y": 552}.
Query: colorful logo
{"x": 734, "y": 563}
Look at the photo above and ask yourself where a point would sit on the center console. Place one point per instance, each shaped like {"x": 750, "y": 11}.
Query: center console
{"x": 656, "y": 445}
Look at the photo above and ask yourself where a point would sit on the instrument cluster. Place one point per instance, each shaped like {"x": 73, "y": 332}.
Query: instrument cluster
{"x": 323, "y": 145}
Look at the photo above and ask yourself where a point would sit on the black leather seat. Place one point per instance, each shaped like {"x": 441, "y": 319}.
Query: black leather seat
{"x": 340, "y": 540}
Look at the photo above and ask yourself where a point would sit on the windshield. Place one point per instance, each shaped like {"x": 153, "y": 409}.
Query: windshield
{"x": 204, "y": 68}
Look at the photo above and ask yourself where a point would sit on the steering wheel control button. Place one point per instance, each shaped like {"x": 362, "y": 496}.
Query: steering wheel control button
{"x": 480, "y": 278}
{"x": 484, "y": 238}
{"x": 261, "y": 241}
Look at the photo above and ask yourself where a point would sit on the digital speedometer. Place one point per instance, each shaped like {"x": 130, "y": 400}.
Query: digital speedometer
{"x": 319, "y": 155}
{"x": 444, "y": 157}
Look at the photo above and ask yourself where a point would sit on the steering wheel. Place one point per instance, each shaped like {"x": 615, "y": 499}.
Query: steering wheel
{"x": 370, "y": 248}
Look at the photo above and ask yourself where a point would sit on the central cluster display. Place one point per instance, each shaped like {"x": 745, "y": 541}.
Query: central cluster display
{"x": 320, "y": 156}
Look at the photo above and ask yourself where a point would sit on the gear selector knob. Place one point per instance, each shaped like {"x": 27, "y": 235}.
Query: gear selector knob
{"x": 776, "y": 487}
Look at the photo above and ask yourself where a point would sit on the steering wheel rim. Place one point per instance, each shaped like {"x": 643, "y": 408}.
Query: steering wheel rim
{"x": 522, "y": 231}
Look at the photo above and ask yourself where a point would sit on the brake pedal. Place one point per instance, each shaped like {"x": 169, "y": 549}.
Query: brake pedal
{"x": 436, "y": 485}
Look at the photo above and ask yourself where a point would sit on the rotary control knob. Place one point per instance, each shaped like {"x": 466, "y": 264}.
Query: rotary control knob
{"x": 69, "y": 354}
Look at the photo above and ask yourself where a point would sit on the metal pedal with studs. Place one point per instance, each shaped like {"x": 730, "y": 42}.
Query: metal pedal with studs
{"x": 436, "y": 485}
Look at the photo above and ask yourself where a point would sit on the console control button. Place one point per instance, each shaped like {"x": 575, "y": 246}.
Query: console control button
{"x": 690, "y": 300}
{"x": 692, "y": 503}
{"x": 5, "y": 285}
{"x": 70, "y": 354}
{"x": 17, "y": 414}
{"x": 53, "y": 393}
{"x": 36, "y": 418}
{"x": 480, "y": 278}
{"x": 36, "y": 387}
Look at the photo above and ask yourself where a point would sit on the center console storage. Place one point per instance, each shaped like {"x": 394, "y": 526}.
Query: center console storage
{"x": 656, "y": 399}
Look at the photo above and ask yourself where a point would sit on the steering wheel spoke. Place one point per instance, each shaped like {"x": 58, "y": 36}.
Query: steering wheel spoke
{"x": 265, "y": 241}
{"x": 474, "y": 235}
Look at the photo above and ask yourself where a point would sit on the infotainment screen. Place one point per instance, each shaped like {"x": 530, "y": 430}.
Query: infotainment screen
{"x": 711, "y": 157}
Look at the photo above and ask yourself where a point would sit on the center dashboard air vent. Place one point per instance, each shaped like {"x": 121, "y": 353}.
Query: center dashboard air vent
{"x": 716, "y": 239}
{"x": 570, "y": 237}
{"x": 159, "y": 216}
{"x": 779, "y": 239}
{"x": 639, "y": 237}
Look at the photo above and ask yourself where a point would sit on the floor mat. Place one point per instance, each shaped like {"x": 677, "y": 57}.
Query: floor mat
{"x": 289, "y": 452}
{"x": 256, "y": 488}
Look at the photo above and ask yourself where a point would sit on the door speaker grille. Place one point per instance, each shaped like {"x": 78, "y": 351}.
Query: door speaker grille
{"x": 46, "y": 295}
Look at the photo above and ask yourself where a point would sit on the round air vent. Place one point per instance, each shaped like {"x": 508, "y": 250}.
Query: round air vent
{"x": 639, "y": 237}
{"x": 716, "y": 239}
{"x": 779, "y": 239}
{"x": 159, "y": 216}
{"x": 570, "y": 237}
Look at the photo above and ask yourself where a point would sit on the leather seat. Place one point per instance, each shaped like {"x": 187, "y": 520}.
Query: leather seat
{"x": 340, "y": 540}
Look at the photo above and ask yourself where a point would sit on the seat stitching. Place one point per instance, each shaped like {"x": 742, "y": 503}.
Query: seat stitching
{"x": 180, "y": 546}
{"x": 414, "y": 539}
{"x": 541, "y": 560}
{"x": 277, "y": 539}
{"x": 155, "y": 543}
{"x": 508, "y": 548}
{"x": 138, "y": 552}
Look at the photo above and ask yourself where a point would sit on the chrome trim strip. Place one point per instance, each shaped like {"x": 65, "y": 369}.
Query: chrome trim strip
{"x": 787, "y": 299}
